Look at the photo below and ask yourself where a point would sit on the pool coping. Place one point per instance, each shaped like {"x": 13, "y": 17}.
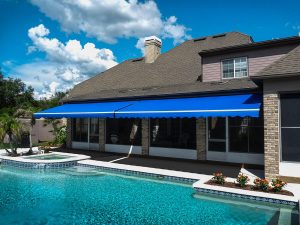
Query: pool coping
{"x": 200, "y": 186}
{"x": 141, "y": 170}
{"x": 197, "y": 181}
{"x": 27, "y": 159}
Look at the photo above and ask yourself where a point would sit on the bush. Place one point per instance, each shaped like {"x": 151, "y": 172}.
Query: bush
{"x": 261, "y": 184}
{"x": 277, "y": 185}
{"x": 242, "y": 180}
{"x": 219, "y": 178}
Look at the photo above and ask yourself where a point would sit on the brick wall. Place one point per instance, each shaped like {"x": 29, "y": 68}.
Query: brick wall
{"x": 201, "y": 138}
{"x": 145, "y": 136}
{"x": 69, "y": 133}
{"x": 271, "y": 135}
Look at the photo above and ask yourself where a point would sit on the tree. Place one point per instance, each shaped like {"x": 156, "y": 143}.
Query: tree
{"x": 14, "y": 92}
{"x": 27, "y": 114}
{"x": 10, "y": 126}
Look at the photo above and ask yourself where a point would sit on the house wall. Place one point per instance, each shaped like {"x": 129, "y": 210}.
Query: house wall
{"x": 257, "y": 60}
{"x": 274, "y": 166}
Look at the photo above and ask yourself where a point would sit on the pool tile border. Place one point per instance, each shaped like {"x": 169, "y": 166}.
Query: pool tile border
{"x": 137, "y": 173}
{"x": 33, "y": 165}
{"x": 248, "y": 197}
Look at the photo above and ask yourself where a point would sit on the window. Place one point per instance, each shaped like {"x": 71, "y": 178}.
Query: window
{"x": 290, "y": 127}
{"x": 80, "y": 129}
{"x": 246, "y": 134}
{"x": 235, "y": 68}
{"x": 173, "y": 133}
{"x": 94, "y": 130}
{"x": 121, "y": 131}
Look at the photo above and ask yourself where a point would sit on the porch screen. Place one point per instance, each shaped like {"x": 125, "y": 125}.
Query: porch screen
{"x": 173, "y": 133}
{"x": 119, "y": 131}
{"x": 290, "y": 127}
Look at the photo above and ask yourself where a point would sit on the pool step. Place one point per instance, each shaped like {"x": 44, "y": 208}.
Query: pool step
{"x": 81, "y": 171}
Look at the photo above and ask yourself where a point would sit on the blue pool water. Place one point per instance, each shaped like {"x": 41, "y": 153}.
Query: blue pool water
{"x": 68, "y": 197}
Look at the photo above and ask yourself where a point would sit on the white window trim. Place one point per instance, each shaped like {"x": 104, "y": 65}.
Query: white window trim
{"x": 234, "y": 76}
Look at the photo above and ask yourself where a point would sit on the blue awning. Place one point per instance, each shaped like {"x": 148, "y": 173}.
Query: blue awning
{"x": 82, "y": 110}
{"x": 212, "y": 106}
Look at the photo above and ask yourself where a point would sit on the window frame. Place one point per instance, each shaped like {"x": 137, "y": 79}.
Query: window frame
{"x": 280, "y": 96}
{"x": 234, "y": 67}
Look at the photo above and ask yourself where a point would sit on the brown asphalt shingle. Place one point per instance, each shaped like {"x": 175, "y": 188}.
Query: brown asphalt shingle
{"x": 179, "y": 66}
{"x": 196, "y": 88}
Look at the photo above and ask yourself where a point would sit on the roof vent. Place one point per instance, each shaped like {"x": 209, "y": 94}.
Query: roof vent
{"x": 200, "y": 39}
{"x": 219, "y": 35}
{"x": 137, "y": 59}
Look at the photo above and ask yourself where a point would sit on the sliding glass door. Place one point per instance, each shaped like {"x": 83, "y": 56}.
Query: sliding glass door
{"x": 217, "y": 134}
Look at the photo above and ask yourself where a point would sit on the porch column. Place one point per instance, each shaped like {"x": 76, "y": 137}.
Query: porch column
{"x": 201, "y": 138}
{"x": 69, "y": 133}
{"x": 145, "y": 136}
{"x": 102, "y": 138}
{"x": 271, "y": 135}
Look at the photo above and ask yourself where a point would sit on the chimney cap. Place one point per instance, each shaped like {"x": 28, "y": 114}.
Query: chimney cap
{"x": 150, "y": 38}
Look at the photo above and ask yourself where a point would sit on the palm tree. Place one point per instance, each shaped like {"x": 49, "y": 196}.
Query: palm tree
{"x": 9, "y": 125}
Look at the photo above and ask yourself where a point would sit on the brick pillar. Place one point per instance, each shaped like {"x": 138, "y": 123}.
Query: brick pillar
{"x": 102, "y": 137}
{"x": 145, "y": 136}
{"x": 201, "y": 138}
{"x": 271, "y": 135}
{"x": 69, "y": 133}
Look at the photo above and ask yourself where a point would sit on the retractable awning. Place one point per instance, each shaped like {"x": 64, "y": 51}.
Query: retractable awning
{"x": 82, "y": 110}
{"x": 211, "y": 106}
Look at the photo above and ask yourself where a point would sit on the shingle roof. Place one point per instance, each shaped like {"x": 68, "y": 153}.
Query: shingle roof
{"x": 179, "y": 66}
{"x": 197, "y": 88}
{"x": 288, "y": 65}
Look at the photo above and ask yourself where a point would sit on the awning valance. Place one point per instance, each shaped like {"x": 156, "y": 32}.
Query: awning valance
{"x": 211, "y": 106}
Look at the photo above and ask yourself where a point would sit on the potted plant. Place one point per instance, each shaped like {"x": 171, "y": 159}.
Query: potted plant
{"x": 114, "y": 138}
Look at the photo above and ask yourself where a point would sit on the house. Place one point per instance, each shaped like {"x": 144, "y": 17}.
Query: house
{"x": 222, "y": 98}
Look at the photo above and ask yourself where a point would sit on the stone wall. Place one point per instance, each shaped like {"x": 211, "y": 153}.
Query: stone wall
{"x": 271, "y": 134}
{"x": 201, "y": 138}
{"x": 145, "y": 136}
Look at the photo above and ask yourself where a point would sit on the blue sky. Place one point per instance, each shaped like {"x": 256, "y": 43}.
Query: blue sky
{"x": 54, "y": 44}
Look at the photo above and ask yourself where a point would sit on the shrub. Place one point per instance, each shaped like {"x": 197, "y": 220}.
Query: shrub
{"x": 261, "y": 184}
{"x": 218, "y": 178}
{"x": 277, "y": 185}
{"x": 242, "y": 180}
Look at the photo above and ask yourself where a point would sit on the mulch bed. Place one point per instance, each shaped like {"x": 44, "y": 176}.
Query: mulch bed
{"x": 248, "y": 188}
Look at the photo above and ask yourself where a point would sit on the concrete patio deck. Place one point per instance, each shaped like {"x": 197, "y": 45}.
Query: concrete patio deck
{"x": 200, "y": 167}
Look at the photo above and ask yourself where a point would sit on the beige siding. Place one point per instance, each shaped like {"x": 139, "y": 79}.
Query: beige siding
{"x": 257, "y": 60}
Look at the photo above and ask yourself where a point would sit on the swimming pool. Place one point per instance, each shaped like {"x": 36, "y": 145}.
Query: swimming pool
{"x": 81, "y": 196}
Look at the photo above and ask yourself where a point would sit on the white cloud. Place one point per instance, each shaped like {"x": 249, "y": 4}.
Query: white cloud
{"x": 66, "y": 64}
{"x": 108, "y": 20}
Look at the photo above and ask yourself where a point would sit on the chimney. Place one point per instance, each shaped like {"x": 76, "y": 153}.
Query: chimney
{"x": 152, "y": 48}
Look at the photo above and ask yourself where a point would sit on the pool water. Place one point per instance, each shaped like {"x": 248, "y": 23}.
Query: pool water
{"x": 67, "y": 197}
{"x": 48, "y": 157}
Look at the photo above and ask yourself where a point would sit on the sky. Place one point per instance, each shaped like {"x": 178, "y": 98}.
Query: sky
{"x": 53, "y": 45}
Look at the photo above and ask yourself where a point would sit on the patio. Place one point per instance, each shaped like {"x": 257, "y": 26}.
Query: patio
{"x": 200, "y": 167}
